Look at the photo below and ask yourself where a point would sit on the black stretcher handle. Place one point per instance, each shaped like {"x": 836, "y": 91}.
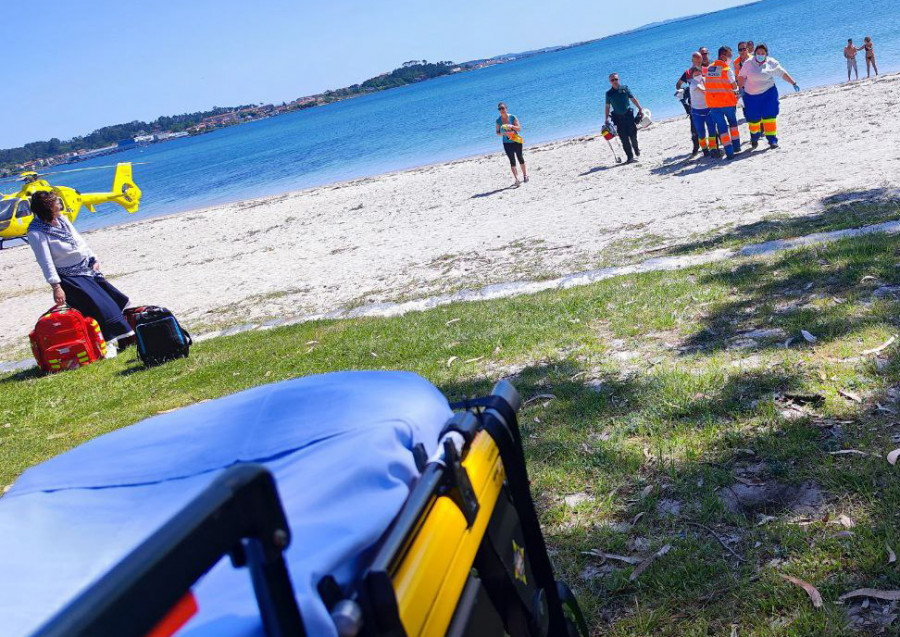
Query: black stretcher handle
{"x": 239, "y": 515}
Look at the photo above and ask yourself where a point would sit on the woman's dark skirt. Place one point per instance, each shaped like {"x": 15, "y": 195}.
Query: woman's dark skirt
{"x": 98, "y": 298}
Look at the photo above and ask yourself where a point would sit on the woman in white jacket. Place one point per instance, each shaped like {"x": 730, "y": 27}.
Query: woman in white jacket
{"x": 757, "y": 80}
{"x": 72, "y": 270}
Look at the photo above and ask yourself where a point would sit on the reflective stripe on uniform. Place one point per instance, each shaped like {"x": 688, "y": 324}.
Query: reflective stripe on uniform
{"x": 770, "y": 127}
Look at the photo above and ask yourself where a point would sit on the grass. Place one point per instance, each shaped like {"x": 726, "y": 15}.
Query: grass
{"x": 851, "y": 209}
{"x": 671, "y": 390}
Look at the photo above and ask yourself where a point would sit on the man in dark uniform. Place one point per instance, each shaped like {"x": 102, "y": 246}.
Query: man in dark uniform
{"x": 617, "y": 98}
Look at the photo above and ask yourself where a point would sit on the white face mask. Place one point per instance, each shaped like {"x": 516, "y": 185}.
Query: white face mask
{"x": 760, "y": 58}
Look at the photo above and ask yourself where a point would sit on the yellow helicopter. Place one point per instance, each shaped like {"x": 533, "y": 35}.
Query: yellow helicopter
{"x": 15, "y": 210}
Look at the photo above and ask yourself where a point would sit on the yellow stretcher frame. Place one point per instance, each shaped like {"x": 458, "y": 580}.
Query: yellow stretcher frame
{"x": 427, "y": 603}
{"x": 466, "y": 556}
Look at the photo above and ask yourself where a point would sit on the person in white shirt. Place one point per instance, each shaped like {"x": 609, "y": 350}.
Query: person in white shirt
{"x": 699, "y": 112}
{"x": 72, "y": 270}
{"x": 757, "y": 82}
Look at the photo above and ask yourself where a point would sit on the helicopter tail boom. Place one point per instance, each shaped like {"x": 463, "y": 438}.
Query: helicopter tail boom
{"x": 124, "y": 192}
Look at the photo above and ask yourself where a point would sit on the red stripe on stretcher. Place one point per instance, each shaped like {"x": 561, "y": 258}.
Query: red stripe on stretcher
{"x": 176, "y": 618}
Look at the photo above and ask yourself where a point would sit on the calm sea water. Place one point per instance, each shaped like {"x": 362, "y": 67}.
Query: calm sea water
{"x": 555, "y": 95}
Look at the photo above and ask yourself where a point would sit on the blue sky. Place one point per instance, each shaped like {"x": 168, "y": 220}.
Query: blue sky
{"x": 72, "y": 67}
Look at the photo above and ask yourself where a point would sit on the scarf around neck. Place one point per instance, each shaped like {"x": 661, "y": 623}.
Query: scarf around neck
{"x": 63, "y": 232}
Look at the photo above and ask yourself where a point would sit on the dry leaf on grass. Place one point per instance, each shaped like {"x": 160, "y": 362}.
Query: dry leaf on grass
{"x": 643, "y": 566}
{"x": 890, "y": 596}
{"x": 765, "y": 519}
{"x": 892, "y": 557}
{"x": 538, "y": 397}
{"x": 811, "y": 590}
{"x": 846, "y": 393}
{"x": 848, "y": 452}
{"x": 842, "y": 535}
{"x": 846, "y": 522}
{"x": 880, "y": 348}
{"x": 452, "y": 321}
{"x": 613, "y": 556}
{"x": 637, "y": 518}
{"x": 451, "y": 359}
{"x": 472, "y": 360}
{"x": 374, "y": 355}
{"x": 809, "y": 338}
{"x": 893, "y": 456}
{"x": 646, "y": 491}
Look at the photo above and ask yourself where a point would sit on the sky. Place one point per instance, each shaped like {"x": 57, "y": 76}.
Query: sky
{"x": 72, "y": 67}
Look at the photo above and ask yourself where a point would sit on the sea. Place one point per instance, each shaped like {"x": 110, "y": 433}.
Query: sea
{"x": 555, "y": 95}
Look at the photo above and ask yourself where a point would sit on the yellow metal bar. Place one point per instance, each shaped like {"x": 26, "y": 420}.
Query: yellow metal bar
{"x": 431, "y": 577}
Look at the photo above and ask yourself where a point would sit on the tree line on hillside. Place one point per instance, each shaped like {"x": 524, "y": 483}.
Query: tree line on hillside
{"x": 106, "y": 136}
{"x": 409, "y": 73}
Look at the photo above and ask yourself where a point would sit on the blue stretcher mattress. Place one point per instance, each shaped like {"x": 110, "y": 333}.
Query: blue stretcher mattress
{"x": 340, "y": 448}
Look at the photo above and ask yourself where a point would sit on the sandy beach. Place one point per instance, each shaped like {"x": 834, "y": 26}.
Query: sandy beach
{"x": 443, "y": 227}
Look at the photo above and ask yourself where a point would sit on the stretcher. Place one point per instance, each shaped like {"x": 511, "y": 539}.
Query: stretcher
{"x": 353, "y": 503}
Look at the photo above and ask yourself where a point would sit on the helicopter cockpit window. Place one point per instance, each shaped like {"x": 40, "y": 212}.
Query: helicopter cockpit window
{"x": 6, "y": 209}
{"x": 24, "y": 209}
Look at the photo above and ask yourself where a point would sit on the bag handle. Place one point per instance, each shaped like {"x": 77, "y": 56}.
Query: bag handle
{"x": 58, "y": 306}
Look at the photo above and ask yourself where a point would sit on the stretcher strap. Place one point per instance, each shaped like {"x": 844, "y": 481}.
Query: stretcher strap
{"x": 506, "y": 437}
{"x": 568, "y": 600}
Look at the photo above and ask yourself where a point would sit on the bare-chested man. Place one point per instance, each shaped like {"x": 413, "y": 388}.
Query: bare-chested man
{"x": 850, "y": 54}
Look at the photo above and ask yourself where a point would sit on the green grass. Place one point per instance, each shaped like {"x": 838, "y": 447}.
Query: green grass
{"x": 661, "y": 403}
{"x": 845, "y": 210}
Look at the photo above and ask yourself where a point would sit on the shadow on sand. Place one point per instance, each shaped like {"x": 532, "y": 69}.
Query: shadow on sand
{"x": 493, "y": 192}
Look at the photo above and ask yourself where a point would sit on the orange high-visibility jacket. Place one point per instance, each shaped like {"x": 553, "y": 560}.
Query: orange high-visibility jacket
{"x": 719, "y": 93}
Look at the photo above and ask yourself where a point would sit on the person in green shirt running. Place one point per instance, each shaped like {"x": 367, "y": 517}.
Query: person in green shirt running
{"x": 617, "y": 98}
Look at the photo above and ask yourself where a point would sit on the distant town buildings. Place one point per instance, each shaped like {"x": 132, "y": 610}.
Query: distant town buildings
{"x": 248, "y": 114}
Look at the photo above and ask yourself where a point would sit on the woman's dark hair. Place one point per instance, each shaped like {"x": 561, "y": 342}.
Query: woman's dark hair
{"x": 761, "y": 46}
{"x": 42, "y": 205}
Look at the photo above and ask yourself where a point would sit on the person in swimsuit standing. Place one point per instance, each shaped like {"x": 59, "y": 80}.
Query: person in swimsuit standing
{"x": 850, "y": 54}
{"x": 870, "y": 55}
{"x": 508, "y": 127}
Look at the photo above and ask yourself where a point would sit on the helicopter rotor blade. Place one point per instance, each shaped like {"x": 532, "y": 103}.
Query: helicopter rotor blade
{"x": 12, "y": 180}
{"x": 78, "y": 170}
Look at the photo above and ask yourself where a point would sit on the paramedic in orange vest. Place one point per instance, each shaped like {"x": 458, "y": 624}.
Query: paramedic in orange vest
{"x": 721, "y": 99}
